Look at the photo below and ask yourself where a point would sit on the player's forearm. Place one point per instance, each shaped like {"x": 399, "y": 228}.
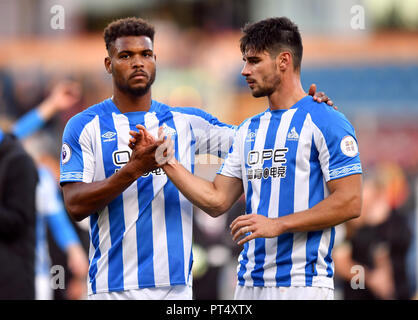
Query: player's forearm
{"x": 200, "y": 192}
{"x": 47, "y": 109}
{"x": 83, "y": 199}
{"x": 339, "y": 207}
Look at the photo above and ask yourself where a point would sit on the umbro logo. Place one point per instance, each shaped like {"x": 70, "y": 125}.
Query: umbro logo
{"x": 109, "y": 136}
{"x": 251, "y": 136}
{"x": 293, "y": 135}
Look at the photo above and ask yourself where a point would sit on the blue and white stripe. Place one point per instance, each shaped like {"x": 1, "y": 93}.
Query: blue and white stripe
{"x": 312, "y": 134}
{"x": 143, "y": 238}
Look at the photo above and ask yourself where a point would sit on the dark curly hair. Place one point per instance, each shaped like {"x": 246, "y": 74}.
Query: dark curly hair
{"x": 273, "y": 35}
{"x": 127, "y": 27}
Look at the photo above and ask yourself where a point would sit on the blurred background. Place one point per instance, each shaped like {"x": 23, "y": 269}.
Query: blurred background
{"x": 362, "y": 53}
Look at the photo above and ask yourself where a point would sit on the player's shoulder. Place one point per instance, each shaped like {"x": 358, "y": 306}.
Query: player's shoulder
{"x": 322, "y": 114}
{"x": 243, "y": 126}
{"x": 192, "y": 111}
{"x": 196, "y": 113}
{"x": 309, "y": 105}
{"x": 78, "y": 121}
{"x": 160, "y": 107}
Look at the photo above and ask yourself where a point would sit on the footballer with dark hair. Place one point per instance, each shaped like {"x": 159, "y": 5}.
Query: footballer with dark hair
{"x": 140, "y": 224}
{"x": 297, "y": 164}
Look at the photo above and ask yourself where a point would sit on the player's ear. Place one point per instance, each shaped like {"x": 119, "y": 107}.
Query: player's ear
{"x": 108, "y": 64}
{"x": 283, "y": 60}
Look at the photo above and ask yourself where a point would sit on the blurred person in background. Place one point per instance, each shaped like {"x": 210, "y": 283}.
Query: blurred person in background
{"x": 63, "y": 96}
{"x": 18, "y": 181}
{"x": 22, "y": 90}
{"x": 378, "y": 241}
{"x": 52, "y": 215}
{"x": 49, "y": 205}
{"x": 215, "y": 269}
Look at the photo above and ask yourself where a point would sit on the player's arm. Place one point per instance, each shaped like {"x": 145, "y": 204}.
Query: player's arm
{"x": 215, "y": 198}
{"x": 82, "y": 199}
{"x": 343, "y": 203}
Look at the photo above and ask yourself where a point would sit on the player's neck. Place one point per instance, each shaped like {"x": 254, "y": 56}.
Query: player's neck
{"x": 130, "y": 103}
{"x": 287, "y": 94}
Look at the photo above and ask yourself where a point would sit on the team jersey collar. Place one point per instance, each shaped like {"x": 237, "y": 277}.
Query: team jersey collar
{"x": 295, "y": 106}
{"x": 153, "y": 108}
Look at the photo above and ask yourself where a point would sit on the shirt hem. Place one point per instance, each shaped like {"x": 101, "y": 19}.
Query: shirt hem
{"x": 320, "y": 283}
{"x": 227, "y": 174}
{"x": 90, "y": 292}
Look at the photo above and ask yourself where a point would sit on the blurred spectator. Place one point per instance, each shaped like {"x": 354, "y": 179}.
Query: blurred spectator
{"x": 51, "y": 214}
{"x": 378, "y": 241}
{"x": 64, "y": 95}
{"x": 18, "y": 179}
{"x": 49, "y": 205}
{"x": 28, "y": 90}
{"x": 215, "y": 254}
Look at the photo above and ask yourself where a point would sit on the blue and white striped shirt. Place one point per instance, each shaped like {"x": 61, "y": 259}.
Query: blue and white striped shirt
{"x": 285, "y": 158}
{"x": 143, "y": 238}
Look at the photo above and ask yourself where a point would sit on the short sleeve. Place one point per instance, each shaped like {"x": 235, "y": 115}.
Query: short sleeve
{"x": 211, "y": 135}
{"x": 77, "y": 160}
{"x": 338, "y": 148}
{"x": 232, "y": 164}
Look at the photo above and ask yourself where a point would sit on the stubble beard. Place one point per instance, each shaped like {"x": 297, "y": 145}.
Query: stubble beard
{"x": 136, "y": 92}
{"x": 266, "y": 90}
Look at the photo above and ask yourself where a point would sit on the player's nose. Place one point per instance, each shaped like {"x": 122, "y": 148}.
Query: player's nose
{"x": 137, "y": 62}
{"x": 245, "y": 71}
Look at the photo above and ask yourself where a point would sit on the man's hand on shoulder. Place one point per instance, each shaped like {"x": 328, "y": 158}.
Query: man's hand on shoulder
{"x": 320, "y": 96}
